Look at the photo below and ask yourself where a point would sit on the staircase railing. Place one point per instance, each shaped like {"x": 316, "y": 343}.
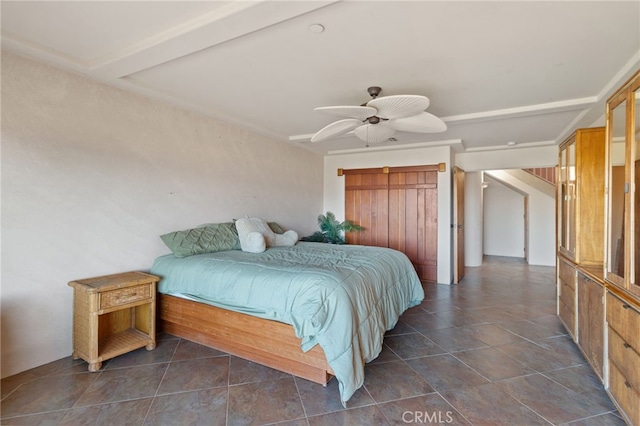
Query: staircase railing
{"x": 547, "y": 174}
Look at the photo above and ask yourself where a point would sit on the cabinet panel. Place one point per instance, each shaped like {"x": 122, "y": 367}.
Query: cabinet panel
{"x": 567, "y": 295}
{"x": 591, "y": 320}
{"x": 625, "y": 394}
{"x": 625, "y": 357}
{"x": 623, "y": 319}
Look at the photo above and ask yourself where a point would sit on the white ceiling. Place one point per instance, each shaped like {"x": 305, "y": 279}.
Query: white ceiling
{"x": 496, "y": 72}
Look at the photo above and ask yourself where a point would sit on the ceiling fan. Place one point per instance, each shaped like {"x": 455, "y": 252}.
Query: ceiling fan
{"x": 380, "y": 118}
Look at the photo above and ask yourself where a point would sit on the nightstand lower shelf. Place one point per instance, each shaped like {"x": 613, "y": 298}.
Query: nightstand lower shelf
{"x": 123, "y": 342}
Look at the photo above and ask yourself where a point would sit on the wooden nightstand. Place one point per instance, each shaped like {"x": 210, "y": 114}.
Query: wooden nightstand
{"x": 112, "y": 315}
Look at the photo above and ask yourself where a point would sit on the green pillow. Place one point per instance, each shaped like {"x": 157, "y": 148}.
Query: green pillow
{"x": 275, "y": 227}
{"x": 209, "y": 238}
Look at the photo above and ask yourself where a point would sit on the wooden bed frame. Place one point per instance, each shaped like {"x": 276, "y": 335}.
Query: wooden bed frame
{"x": 265, "y": 342}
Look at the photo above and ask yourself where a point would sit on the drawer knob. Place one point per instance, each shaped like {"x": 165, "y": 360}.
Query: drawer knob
{"x": 628, "y": 385}
{"x": 626, "y": 306}
{"x": 626, "y": 345}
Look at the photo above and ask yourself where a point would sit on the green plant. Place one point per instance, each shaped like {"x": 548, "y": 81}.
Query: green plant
{"x": 332, "y": 231}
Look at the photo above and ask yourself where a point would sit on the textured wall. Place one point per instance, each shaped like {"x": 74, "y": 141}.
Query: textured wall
{"x": 92, "y": 175}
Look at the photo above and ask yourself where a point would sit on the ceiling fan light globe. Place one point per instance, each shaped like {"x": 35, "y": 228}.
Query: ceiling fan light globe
{"x": 374, "y": 133}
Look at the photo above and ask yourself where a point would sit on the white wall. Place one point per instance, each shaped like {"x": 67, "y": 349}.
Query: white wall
{"x": 541, "y": 219}
{"x": 541, "y": 206}
{"x": 503, "y": 221}
{"x": 511, "y": 158}
{"x": 473, "y": 219}
{"x": 92, "y": 175}
{"x": 369, "y": 158}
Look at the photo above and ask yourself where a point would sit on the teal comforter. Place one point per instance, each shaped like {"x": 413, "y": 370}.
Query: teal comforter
{"x": 342, "y": 297}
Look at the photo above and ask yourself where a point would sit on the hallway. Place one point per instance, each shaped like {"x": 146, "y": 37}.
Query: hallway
{"x": 489, "y": 351}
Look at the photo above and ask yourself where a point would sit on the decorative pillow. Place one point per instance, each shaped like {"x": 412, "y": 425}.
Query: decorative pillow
{"x": 275, "y": 227}
{"x": 208, "y": 238}
{"x": 247, "y": 228}
{"x": 253, "y": 242}
{"x": 289, "y": 238}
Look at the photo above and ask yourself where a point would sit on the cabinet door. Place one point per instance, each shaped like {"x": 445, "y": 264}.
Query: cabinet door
{"x": 591, "y": 321}
{"x": 623, "y": 227}
{"x": 562, "y": 200}
{"x": 567, "y": 199}
{"x": 635, "y": 191}
{"x": 617, "y": 189}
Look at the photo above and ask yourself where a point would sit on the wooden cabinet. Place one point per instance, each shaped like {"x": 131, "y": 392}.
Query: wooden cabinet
{"x": 623, "y": 320}
{"x": 580, "y": 240}
{"x": 398, "y": 207}
{"x": 623, "y": 206}
{"x": 112, "y": 315}
{"x": 567, "y": 297}
{"x": 581, "y": 188}
{"x": 622, "y": 252}
{"x": 591, "y": 319}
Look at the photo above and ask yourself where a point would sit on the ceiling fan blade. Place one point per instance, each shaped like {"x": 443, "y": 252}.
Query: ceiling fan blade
{"x": 399, "y": 106}
{"x": 359, "y": 112}
{"x": 419, "y": 123}
{"x": 336, "y": 128}
{"x": 374, "y": 133}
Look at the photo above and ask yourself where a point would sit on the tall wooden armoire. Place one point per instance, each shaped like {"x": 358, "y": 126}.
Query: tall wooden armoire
{"x": 398, "y": 207}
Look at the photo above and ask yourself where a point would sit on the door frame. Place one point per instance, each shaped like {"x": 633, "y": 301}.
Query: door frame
{"x": 458, "y": 224}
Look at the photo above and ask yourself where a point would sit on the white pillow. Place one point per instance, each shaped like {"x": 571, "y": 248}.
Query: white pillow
{"x": 289, "y": 238}
{"x": 248, "y": 226}
{"x": 253, "y": 243}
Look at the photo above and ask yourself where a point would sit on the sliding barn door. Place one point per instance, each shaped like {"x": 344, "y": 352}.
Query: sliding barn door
{"x": 367, "y": 204}
{"x": 398, "y": 206}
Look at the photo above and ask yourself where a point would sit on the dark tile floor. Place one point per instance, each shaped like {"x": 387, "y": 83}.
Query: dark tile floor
{"x": 489, "y": 351}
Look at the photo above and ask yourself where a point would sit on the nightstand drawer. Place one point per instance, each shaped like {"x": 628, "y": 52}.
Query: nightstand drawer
{"x": 125, "y": 296}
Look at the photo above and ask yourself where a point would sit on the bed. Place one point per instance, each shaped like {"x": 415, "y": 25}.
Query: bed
{"x": 313, "y": 310}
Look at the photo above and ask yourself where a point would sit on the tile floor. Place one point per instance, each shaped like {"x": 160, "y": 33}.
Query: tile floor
{"x": 489, "y": 351}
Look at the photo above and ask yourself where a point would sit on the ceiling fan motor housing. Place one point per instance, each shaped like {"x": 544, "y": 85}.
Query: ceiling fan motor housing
{"x": 374, "y": 91}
